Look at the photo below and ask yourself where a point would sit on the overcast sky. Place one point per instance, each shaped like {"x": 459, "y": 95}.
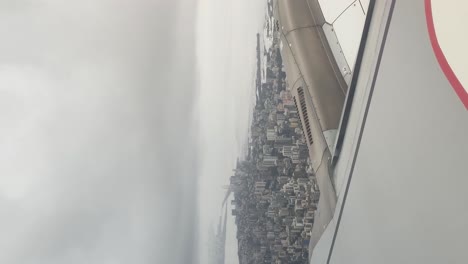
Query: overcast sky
{"x": 109, "y": 126}
{"x": 226, "y": 42}
{"x": 97, "y": 157}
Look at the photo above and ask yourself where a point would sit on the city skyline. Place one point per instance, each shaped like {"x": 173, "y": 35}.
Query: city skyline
{"x": 88, "y": 94}
{"x": 227, "y": 64}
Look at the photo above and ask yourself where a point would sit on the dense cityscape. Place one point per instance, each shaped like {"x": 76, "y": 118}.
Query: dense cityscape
{"x": 275, "y": 190}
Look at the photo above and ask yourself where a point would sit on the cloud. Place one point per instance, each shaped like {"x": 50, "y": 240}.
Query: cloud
{"x": 97, "y": 149}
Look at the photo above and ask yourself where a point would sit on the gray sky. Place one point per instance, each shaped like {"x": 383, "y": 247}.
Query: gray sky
{"x": 109, "y": 126}
{"x": 97, "y": 157}
{"x": 226, "y": 35}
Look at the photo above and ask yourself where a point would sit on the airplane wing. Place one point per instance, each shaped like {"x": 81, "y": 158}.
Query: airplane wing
{"x": 395, "y": 184}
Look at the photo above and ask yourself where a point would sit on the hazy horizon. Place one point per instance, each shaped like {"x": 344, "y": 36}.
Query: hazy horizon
{"x": 226, "y": 34}
{"x": 120, "y": 121}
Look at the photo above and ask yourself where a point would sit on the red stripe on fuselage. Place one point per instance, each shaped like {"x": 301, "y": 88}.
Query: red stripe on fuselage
{"x": 445, "y": 66}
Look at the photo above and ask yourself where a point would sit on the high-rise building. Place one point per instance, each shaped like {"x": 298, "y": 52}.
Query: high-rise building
{"x": 269, "y": 161}
{"x": 271, "y": 134}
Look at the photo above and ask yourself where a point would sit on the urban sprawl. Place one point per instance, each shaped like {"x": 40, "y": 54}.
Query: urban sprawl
{"x": 275, "y": 190}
